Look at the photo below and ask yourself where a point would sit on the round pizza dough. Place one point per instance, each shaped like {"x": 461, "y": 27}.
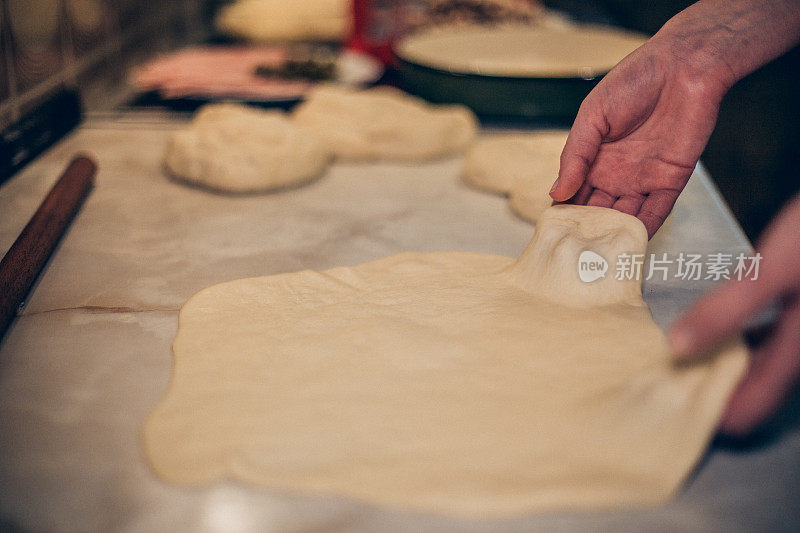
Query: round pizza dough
{"x": 236, "y": 148}
{"x": 385, "y": 123}
{"x": 521, "y": 51}
{"x": 457, "y": 383}
{"x": 521, "y": 166}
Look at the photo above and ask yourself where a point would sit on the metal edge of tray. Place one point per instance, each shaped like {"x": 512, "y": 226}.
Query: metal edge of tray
{"x": 498, "y": 96}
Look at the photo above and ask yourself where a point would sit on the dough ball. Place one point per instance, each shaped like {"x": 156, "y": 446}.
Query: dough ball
{"x": 235, "y": 148}
{"x": 282, "y": 20}
{"x": 522, "y": 166}
{"x": 385, "y": 123}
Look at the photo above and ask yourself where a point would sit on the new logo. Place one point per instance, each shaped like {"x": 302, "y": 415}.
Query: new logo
{"x": 591, "y": 266}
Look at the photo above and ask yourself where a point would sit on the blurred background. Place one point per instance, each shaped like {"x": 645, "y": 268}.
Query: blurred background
{"x": 92, "y": 45}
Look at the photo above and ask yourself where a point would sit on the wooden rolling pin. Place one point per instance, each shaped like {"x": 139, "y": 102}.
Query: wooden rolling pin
{"x": 27, "y": 256}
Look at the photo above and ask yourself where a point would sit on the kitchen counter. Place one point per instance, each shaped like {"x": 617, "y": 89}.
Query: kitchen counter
{"x": 90, "y": 355}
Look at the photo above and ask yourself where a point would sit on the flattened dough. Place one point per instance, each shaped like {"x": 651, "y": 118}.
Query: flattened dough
{"x": 456, "y": 383}
{"x": 236, "y": 148}
{"x": 550, "y": 49}
{"x": 521, "y": 166}
{"x": 385, "y": 123}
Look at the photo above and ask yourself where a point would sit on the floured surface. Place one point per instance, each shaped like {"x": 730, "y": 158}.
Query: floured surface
{"x": 446, "y": 382}
{"x": 78, "y": 376}
{"x": 522, "y": 166}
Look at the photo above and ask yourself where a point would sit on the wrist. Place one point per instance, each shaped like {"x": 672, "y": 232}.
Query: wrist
{"x": 718, "y": 42}
{"x": 698, "y": 56}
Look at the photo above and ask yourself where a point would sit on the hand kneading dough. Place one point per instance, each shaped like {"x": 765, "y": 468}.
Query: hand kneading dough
{"x": 458, "y": 383}
{"x": 522, "y": 166}
{"x": 385, "y": 123}
{"x": 235, "y": 148}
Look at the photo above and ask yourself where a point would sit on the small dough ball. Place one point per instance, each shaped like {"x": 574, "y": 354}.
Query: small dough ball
{"x": 282, "y": 20}
{"x": 385, "y": 123}
{"x": 522, "y": 166}
{"x": 236, "y": 148}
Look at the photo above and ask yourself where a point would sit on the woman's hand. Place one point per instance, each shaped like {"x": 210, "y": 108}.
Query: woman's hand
{"x": 775, "y": 364}
{"x": 639, "y": 134}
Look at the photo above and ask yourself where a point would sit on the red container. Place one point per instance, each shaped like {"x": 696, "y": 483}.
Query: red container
{"x": 376, "y": 26}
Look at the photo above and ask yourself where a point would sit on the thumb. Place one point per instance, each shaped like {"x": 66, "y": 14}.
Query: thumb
{"x": 727, "y": 309}
{"x": 578, "y": 155}
{"x": 719, "y": 315}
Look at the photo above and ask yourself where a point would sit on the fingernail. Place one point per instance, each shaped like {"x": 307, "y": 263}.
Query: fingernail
{"x": 681, "y": 342}
{"x": 555, "y": 184}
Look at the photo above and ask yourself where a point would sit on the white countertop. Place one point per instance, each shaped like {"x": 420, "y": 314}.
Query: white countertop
{"x": 90, "y": 355}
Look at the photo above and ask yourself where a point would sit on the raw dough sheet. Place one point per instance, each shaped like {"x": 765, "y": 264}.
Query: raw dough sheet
{"x": 463, "y": 384}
